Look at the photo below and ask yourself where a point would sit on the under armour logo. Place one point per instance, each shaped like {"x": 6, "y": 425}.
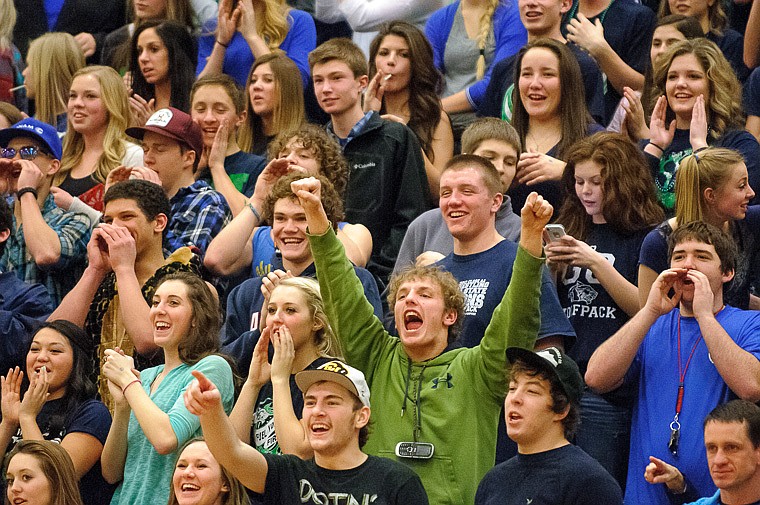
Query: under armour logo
{"x": 446, "y": 379}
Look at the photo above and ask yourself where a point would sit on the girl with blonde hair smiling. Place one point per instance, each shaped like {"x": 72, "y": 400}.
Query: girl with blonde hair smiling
{"x": 697, "y": 104}
{"x": 95, "y": 143}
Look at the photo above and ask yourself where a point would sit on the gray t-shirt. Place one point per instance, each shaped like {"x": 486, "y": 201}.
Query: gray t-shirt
{"x": 460, "y": 59}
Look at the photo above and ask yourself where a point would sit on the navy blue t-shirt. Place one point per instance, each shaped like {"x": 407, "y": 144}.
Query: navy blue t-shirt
{"x": 628, "y": 28}
{"x": 731, "y": 44}
{"x": 752, "y": 95}
{"x": 91, "y": 418}
{"x": 588, "y": 306}
{"x": 483, "y": 278}
{"x": 562, "y": 476}
{"x": 552, "y": 191}
{"x": 503, "y": 78}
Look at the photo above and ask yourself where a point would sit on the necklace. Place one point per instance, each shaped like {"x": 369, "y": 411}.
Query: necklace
{"x": 542, "y": 145}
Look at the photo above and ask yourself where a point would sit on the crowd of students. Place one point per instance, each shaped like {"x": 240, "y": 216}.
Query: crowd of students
{"x": 245, "y": 259}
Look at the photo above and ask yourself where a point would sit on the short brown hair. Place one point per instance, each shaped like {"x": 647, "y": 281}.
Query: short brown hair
{"x": 225, "y": 82}
{"x": 484, "y": 167}
{"x": 340, "y": 49}
{"x": 453, "y": 299}
{"x": 331, "y": 201}
{"x": 489, "y": 128}
{"x": 699, "y": 231}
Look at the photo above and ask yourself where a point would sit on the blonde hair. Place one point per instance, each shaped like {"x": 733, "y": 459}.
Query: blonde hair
{"x": 273, "y": 25}
{"x": 114, "y": 98}
{"x": 53, "y": 60}
{"x": 486, "y": 27}
{"x": 325, "y": 340}
{"x": 7, "y": 23}
{"x": 708, "y": 169}
{"x": 723, "y": 103}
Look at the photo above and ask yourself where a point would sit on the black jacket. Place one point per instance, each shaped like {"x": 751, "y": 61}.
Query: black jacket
{"x": 387, "y": 187}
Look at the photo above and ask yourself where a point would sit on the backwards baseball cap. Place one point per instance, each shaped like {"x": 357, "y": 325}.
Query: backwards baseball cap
{"x": 37, "y": 130}
{"x": 176, "y": 125}
{"x": 339, "y": 373}
{"x": 554, "y": 362}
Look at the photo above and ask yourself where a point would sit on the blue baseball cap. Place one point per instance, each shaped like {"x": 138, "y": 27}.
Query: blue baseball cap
{"x": 35, "y": 129}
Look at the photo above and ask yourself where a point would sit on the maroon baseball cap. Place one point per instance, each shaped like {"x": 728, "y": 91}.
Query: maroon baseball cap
{"x": 176, "y": 125}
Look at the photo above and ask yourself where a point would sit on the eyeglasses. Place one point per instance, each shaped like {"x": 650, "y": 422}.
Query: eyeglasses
{"x": 27, "y": 152}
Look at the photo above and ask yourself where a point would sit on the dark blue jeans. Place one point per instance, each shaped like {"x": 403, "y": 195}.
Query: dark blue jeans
{"x": 605, "y": 434}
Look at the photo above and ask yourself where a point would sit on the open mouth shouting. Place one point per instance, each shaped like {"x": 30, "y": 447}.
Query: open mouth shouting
{"x": 412, "y": 320}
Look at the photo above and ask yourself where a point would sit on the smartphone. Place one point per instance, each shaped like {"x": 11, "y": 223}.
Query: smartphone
{"x": 554, "y": 231}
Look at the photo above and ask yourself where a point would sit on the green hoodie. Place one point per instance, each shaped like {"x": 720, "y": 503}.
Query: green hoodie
{"x": 460, "y": 393}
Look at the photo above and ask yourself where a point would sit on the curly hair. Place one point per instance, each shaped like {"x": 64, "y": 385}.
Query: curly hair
{"x": 630, "y": 199}
{"x": 288, "y": 109}
{"x": 453, "y": 298}
{"x": 332, "y": 163}
{"x": 202, "y": 338}
{"x": 331, "y": 201}
{"x": 149, "y": 197}
{"x": 425, "y": 81}
{"x": 114, "y": 98}
{"x": 724, "y": 101}
{"x": 572, "y": 111}
{"x": 711, "y": 168}
{"x": 715, "y": 13}
{"x": 686, "y": 26}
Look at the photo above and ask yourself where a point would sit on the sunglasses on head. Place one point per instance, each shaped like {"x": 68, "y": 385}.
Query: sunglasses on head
{"x": 26, "y": 153}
